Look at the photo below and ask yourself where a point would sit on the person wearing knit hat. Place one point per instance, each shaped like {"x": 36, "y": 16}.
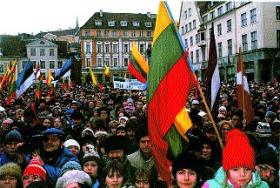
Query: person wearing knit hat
{"x": 70, "y": 165}
{"x": 10, "y": 176}
{"x": 11, "y": 143}
{"x": 238, "y": 164}
{"x": 33, "y": 172}
{"x": 73, "y": 146}
{"x": 186, "y": 165}
{"x": 91, "y": 165}
{"x": 74, "y": 178}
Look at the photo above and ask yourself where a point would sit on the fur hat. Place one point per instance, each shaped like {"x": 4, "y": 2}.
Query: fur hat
{"x": 11, "y": 169}
{"x": 70, "y": 165}
{"x": 73, "y": 176}
{"x": 263, "y": 130}
{"x": 237, "y": 152}
{"x": 90, "y": 154}
{"x": 2, "y": 109}
{"x": 185, "y": 160}
{"x": 87, "y": 132}
{"x": 100, "y": 134}
{"x": 71, "y": 142}
{"x": 115, "y": 143}
{"x": 13, "y": 136}
{"x": 35, "y": 168}
{"x": 53, "y": 131}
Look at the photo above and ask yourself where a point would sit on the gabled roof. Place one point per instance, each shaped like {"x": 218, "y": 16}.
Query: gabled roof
{"x": 105, "y": 17}
{"x": 41, "y": 42}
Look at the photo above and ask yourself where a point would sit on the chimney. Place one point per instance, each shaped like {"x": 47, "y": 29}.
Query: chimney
{"x": 149, "y": 14}
{"x": 101, "y": 13}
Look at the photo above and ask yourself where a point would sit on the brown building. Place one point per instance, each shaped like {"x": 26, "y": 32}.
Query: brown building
{"x": 106, "y": 39}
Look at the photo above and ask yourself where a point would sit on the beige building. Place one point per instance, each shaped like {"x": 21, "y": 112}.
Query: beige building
{"x": 253, "y": 26}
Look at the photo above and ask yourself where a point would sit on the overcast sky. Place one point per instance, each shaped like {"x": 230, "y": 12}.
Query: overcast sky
{"x": 27, "y": 16}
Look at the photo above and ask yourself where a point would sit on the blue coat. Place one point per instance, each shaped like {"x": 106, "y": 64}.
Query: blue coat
{"x": 220, "y": 181}
{"x": 53, "y": 172}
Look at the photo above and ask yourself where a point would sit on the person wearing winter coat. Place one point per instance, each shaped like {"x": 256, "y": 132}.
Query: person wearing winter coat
{"x": 238, "y": 164}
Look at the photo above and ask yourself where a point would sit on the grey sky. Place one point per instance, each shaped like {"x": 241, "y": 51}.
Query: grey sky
{"x": 27, "y": 16}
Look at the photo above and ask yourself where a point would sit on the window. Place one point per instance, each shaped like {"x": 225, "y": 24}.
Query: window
{"x": 202, "y": 36}
{"x": 133, "y": 33}
{"x": 220, "y": 11}
{"x": 99, "y": 48}
{"x": 33, "y": 51}
{"x": 197, "y": 38}
{"x": 59, "y": 64}
{"x": 278, "y": 38}
{"x": 149, "y": 33}
{"x": 219, "y": 28}
{"x": 115, "y": 48}
{"x": 192, "y": 57}
{"x": 141, "y": 48}
{"x": 243, "y": 19}
{"x": 87, "y": 62}
{"x": 114, "y": 33}
{"x": 98, "y": 33}
{"x": 1, "y": 68}
{"x": 253, "y": 14}
{"x": 190, "y": 12}
{"x": 190, "y": 26}
{"x": 34, "y": 64}
{"x": 107, "y": 48}
{"x": 220, "y": 49}
{"x": 229, "y": 26}
{"x": 244, "y": 43}
{"x": 191, "y": 41}
{"x": 203, "y": 54}
{"x": 42, "y": 64}
{"x": 98, "y": 22}
{"x": 186, "y": 43}
{"x": 141, "y": 34}
{"x": 111, "y": 23}
{"x": 277, "y": 12}
{"x": 212, "y": 15}
{"x": 186, "y": 14}
{"x": 115, "y": 61}
{"x": 123, "y": 23}
{"x": 125, "y": 48}
{"x": 229, "y": 43}
{"x": 125, "y": 61}
{"x": 228, "y": 6}
{"x": 87, "y": 48}
{"x": 87, "y": 33}
{"x": 148, "y": 24}
{"x": 107, "y": 61}
{"x": 194, "y": 24}
{"x": 197, "y": 56}
{"x": 182, "y": 28}
{"x": 254, "y": 41}
{"x": 186, "y": 28}
{"x": 125, "y": 34}
{"x": 51, "y": 64}
{"x": 107, "y": 33}
{"x": 51, "y": 52}
{"x": 135, "y": 23}
{"x": 99, "y": 62}
{"x": 42, "y": 52}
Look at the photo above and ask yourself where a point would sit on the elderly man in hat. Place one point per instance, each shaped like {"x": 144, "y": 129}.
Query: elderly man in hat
{"x": 53, "y": 155}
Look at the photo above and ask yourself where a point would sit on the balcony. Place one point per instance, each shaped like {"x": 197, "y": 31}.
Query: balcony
{"x": 202, "y": 43}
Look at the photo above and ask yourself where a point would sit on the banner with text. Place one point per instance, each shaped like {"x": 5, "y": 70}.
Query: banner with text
{"x": 129, "y": 84}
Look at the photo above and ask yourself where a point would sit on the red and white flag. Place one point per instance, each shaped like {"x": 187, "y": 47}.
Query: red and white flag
{"x": 242, "y": 90}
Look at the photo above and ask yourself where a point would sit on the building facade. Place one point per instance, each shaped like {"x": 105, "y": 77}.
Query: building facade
{"x": 106, "y": 39}
{"x": 44, "y": 53}
{"x": 253, "y": 26}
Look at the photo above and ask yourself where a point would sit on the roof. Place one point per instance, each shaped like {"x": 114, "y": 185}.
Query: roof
{"x": 65, "y": 32}
{"x": 105, "y": 17}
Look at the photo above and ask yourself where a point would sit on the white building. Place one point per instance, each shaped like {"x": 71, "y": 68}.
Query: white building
{"x": 253, "y": 26}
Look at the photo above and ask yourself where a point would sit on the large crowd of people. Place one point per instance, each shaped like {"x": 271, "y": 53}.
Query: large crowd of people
{"x": 90, "y": 137}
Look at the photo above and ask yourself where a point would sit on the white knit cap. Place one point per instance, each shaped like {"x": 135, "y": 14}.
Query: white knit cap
{"x": 72, "y": 142}
{"x": 73, "y": 176}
